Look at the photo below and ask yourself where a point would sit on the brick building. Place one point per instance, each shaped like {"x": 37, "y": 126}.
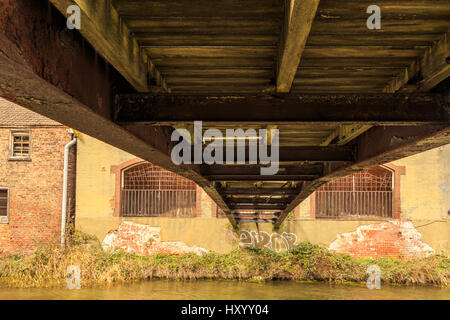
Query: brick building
{"x": 31, "y": 178}
{"x": 399, "y": 209}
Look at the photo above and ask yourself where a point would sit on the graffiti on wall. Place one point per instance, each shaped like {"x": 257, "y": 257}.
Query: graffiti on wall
{"x": 274, "y": 241}
{"x": 445, "y": 187}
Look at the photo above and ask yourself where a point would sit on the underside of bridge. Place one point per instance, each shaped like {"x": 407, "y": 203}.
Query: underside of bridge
{"x": 343, "y": 97}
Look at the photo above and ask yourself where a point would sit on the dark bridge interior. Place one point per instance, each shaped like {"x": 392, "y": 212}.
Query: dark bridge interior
{"x": 343, "y": 97}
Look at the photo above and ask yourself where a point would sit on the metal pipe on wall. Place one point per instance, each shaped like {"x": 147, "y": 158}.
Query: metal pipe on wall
{"x": 64, "y": 196}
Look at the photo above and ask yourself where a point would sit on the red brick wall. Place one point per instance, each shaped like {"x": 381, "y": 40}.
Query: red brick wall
{"x": 394, "y": 239}
{"x": 35, "y": 190}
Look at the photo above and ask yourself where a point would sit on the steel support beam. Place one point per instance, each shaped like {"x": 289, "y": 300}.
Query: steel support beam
{"x": 380, "y": 109}
{"x": 376, "y": 147}
{"x": 288, "y": 155}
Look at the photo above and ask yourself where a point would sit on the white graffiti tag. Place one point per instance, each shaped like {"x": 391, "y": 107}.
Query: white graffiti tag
{"x": 275, "y": 241}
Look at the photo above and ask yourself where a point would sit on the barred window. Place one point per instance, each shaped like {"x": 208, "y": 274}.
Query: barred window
{"x": 151, "y": 191}
{"x": 4, "y": 205}
{"x": 20, "y": 145}
{"x": 368, "y": 193}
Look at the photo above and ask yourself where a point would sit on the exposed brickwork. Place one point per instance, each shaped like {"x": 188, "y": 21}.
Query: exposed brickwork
{"x": 394, "y": 239}
{"x": 144, "y": 240}
{"x": 35, "y": 188}
{"x": 398, "y": 171}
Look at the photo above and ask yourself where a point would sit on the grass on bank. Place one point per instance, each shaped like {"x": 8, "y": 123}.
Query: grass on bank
{"x": 307, "y": 262}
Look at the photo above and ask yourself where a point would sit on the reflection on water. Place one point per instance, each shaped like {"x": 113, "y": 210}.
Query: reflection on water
{"x": 228, "y": 290}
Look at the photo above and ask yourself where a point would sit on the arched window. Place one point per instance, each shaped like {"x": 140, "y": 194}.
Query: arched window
{"x": 368, "y": 193}
{"x": 148, "y": 191}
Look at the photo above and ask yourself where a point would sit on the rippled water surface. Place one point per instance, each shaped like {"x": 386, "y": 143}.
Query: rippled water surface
{"x": 228, "y": 290}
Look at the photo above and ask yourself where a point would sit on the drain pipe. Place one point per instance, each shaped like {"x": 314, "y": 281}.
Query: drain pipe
{"x": 64, "y": 197}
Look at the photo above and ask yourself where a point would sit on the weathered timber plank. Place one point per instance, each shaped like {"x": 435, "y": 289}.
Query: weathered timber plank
{"x": 211, "y": 52}
{"x": 200, "y": 8}
{"x": 343, "y": 72}
{"x": 257, "y": 207}
{"x": 258, "y": 184}
{"x": 252, "y": 200}
{"x": 221, "y": 72}
{"x": 256, "y": 214}
{"x": 206, "y": 27}
{"x": 301, "y": 143}
{"x": 147, "y": 39}
{"x": 337, "y": 89}
{"x": 362, "y": 51}
{"x": 255, "y": 220}
{"x": 344, "y": 134}
{"x": 358, "y": 26}
{"x": 300, "y": 134}
{"x": 258, "y": 178}
{"x": 332, "y": 81}
{"x": 313, "y": 153}
{"x": 216, "y": 81}
{"x": 216, "y": 169}
{"x": 259, "y": 191}
{"x": 298, "y": 20}
{"x": 431, "y": 69}
{"x": 347, "y": 62}
{"x": 186, "y": 40}
{"x": 385, "y": 39}
{"x": 235, "y": 62}
{"x": 399, "y": 9}
{"x": 221, "y": 89}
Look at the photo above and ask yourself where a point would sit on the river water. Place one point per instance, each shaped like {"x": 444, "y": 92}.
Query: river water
{"x": 228, "y": 290}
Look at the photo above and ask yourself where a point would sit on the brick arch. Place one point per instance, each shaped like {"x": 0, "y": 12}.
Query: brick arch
{"x": 396, "y": 171}
{"x": 148, "y": 177}
{"x": 117, "y": 171}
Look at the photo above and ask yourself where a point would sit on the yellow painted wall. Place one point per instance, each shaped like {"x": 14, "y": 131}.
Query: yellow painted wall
{"x": 94, "y": 207}
{"x": 424, "y": 200}
{"x": 210, "y": 233}
{"x": 95, "y": 182}
{"x": 434, "y": 233}
{"x": 425, "y": 187}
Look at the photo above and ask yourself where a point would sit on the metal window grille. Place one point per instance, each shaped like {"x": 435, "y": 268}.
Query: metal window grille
{"x": 150, "y": 191}
{"x": 364, "y": 194}
{"x": 20, "y": 144}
